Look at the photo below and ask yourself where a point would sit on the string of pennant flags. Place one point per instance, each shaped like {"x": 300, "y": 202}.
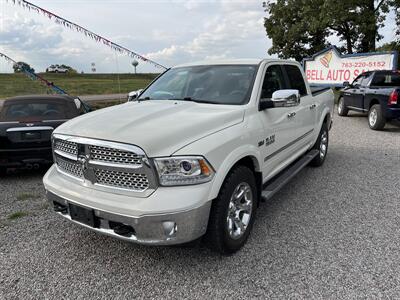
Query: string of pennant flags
{"x": 73, "y": 26}
{"x": 34, "y": 76}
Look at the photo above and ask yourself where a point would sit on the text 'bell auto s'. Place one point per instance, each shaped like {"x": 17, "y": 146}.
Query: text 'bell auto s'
{"x": 194, "y": 154}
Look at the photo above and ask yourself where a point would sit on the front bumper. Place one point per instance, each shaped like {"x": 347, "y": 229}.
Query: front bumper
{"x": 169, "y": 216}
{"x": 163, "y": 229}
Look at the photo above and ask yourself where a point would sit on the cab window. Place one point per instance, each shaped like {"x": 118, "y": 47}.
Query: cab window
{"x": 357, "y": 82}
{"x": 274, "y": 80}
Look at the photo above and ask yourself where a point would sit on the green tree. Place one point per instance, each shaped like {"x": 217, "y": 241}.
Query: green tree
{"x": 295, "y": 27}
{"x": 343, "y": 24}
{"x": 21, "y": 66}
{"x": 70, "y": 69}
{"x": 392, "y": 46}
{"x": 371, "y": 16}
{"x": 395, "y": 4}
{"x": 300, "y": 28}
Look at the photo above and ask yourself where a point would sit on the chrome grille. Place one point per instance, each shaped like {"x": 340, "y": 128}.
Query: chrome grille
{"x": 70, "y": 167}
{"x": 103, "y": 165}
{"x": 66, "y": 146}
{"x": 115, "y": 156}
{"x": 123, "y": 180}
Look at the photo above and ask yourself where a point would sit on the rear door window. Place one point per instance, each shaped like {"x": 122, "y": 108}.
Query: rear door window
{"x": 28, "y": 110}
{"x": 386, "y": 79}
{"x": 296, "y": 79}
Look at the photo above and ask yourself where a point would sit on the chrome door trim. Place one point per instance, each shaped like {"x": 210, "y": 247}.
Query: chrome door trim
{"x": 356, "y": 108}
{"x": 288, "y": 145}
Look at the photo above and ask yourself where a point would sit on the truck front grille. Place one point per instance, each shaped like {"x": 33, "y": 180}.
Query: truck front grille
{"x": 70, "y": 167}
{"x": 123, "y": 180}
{"x": 104, "y": 165}
{"x": 116, "y": 156}
{"x": 66, "y": 146}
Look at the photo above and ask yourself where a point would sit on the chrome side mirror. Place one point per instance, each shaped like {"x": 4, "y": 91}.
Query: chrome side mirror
{"x": 132, "y": 96}
{"x": 286, "y": 98}
{"x": 346, "y": 84}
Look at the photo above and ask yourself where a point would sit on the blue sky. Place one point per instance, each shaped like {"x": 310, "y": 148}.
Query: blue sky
{"x": 169, "y": 32}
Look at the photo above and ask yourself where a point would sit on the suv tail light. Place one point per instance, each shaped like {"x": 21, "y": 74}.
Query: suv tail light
{"x": 393, "y": 97}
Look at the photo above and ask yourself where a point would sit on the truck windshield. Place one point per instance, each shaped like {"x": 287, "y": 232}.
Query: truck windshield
{"x": 218, "y": 84}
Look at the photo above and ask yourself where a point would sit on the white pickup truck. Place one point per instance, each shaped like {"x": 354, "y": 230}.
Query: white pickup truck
{"x": 193, "y": 156}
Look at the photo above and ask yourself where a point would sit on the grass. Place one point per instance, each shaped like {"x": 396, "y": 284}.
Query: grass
{"x": 17, "y": 215}
{"x": 74, "y": 84}
{"x": 26, "y": 196}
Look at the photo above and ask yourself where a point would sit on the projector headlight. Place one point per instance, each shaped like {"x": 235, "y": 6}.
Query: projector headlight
{"x": 183, "y": 170}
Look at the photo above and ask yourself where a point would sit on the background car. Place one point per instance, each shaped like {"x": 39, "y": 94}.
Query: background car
{"x": 26, "y": 125}
{"x": 57, "y": 69}
{"x": 375, "y": 93}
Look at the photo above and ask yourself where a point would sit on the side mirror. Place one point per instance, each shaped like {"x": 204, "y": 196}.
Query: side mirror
{"x": 346, "y": 84}
{"x": 281, "y": 98}
{"x": 132, "y": 96}
{"x": 286, "y": 98}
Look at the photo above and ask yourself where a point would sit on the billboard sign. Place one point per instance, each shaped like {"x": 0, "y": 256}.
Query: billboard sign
{"x": 329, "y": 67}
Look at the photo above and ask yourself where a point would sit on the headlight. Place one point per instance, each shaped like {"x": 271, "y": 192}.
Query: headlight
{"x": 183, "y": 170}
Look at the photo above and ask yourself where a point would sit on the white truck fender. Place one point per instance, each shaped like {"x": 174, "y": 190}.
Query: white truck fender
{"x": 233, "y": 157}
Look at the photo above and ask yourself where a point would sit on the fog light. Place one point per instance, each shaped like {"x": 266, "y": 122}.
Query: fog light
{"x": 170, "y": 228}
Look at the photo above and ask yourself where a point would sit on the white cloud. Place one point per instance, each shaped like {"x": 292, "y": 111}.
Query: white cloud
{"x": 169, "y": 31}
{"x": 223, "y": 36}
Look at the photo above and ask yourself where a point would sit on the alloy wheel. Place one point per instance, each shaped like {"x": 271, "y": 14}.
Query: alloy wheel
{"x": 239, "y": 210}
{"x": 323, "y": 147}
{"x": 373, "y": 117}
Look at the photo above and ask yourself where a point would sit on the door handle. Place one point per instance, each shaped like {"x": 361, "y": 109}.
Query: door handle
{"x": 312, "y": 106}
{"x": 291, "y": 115}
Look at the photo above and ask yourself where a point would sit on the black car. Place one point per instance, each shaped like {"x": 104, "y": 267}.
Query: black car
{"x": 26, "y": 125}
{"x": 375, "y": 92}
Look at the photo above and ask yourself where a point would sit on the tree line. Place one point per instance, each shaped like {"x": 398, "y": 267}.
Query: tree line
{"x": 301, "y": 28}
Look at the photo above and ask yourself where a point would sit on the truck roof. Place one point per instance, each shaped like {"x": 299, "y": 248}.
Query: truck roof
{"x": 251, "y": 61}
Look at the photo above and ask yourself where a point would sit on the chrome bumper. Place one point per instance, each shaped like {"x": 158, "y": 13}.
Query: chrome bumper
{"x": 162, "y": 229}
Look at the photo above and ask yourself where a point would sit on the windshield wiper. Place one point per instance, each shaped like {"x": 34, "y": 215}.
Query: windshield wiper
{"x": 195, "y": 100}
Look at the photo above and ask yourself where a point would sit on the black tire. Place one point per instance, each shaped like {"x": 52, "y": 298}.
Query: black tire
{"x": 376, "y": 120}
{"x": 218, "y": 236}
{"x": 342, "y": 108}
{"x": 321, "y": 145}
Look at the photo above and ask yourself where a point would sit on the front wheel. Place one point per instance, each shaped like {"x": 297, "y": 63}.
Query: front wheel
{"x": 322, "y": 146}
{"x": 342, "y": 108}
{"x": 233, "y": 212}
{"x": 376, "y": 120}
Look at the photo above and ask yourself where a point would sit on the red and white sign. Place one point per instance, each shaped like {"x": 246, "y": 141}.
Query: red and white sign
{"x": 330, "y": 68}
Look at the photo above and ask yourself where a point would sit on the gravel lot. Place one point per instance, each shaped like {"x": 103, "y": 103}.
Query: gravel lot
{"x": 334, "y": 232}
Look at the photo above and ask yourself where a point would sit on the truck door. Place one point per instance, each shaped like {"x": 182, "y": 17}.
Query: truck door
{"x": 353, "y": 96}
{"x": 278, "y": 128}
{"x": 305, "y": 113}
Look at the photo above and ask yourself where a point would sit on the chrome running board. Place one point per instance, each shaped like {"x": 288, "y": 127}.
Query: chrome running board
{"x": 282, "y": 179}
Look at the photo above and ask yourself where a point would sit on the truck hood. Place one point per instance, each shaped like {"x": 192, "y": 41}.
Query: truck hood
{"x": 160, "y": 128}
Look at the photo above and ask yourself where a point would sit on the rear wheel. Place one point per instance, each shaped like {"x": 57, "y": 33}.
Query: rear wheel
{"x": 322, "y": 146}
{"x": 233, "y": 212}
{"x": 376, "y": 120}
{"x": 342, "y": 108}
